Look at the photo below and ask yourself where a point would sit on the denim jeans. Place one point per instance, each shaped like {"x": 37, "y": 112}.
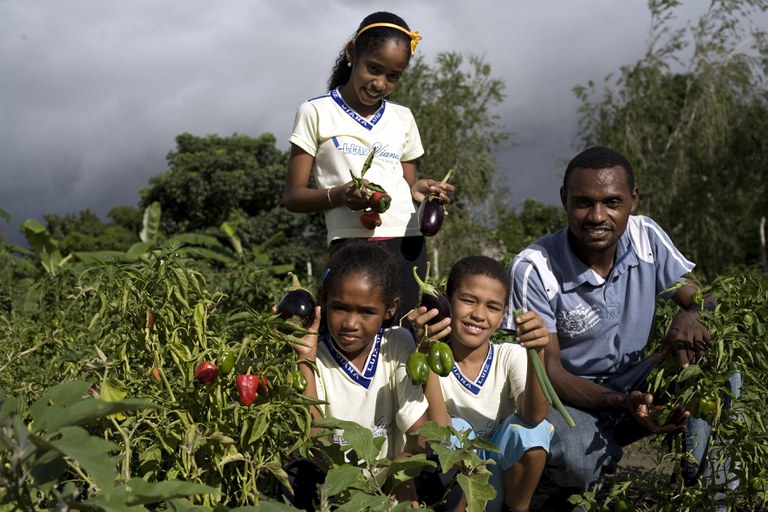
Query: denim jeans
{"x": 580, "y": 455}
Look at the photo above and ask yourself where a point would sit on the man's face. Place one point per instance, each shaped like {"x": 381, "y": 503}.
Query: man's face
{"x": 598, "y": 203}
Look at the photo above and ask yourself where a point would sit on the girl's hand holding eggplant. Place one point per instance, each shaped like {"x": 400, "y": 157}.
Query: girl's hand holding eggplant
{"x": 308, "y": 348}
{"x": 420, "y": 317}
{"x": 425, "y": 187}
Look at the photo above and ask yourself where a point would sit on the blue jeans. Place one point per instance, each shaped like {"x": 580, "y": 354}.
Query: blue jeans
{"x": 580, "y": 455}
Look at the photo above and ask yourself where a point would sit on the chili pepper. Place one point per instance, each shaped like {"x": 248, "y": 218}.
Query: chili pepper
{"x": 705, "y": 408}
{"x": 440, "y": 358}
{"x": 247, "y": 388}
{"x": 660, "y": 415}
{"x": 370, "y": 219}
{"x": 417, "y": 367}
{"x": 379, "y": 201}
{"x": 206, "y": 373}
{"x": 298, "y": 381}
{"x": 226, "y": 362}
{"x": 697, "y": 297}
{"x": 156, "y": 374}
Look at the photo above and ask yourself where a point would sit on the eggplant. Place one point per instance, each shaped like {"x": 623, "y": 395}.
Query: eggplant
{"x": 431, "y": 215}
{"x": 297, "y": 305}
{"x": 431, "y": 298}
{"x": 432, "y": 211}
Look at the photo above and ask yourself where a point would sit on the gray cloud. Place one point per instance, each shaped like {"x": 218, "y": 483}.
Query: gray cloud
{"x": 93, "y": 93}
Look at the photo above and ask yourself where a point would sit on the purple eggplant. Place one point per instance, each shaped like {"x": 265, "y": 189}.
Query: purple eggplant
{"x": 297, "y": 305}
{"x": 431, "y": 215}
{"x": 432, "y": 211}
{"x": 431, "y": 298}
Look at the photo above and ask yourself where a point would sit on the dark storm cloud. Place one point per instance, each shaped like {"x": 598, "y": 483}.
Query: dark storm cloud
{"x": 93, "y": 93}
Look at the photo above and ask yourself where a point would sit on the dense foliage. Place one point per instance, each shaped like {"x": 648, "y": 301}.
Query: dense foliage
{"x": 691, "y": 116}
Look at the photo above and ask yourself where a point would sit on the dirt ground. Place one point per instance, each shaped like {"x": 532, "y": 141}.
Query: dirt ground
{"x": 638, "y": 458}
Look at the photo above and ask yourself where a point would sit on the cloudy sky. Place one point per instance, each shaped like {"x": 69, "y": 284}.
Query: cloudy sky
{"x": 93, "y": 92}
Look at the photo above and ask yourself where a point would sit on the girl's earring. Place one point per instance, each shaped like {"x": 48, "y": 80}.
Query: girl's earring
{"x": 349, "y": 64}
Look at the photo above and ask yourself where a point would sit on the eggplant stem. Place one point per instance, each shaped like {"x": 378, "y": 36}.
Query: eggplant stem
{"x": 424, "y": 286}
{"x": 447, "y": 176}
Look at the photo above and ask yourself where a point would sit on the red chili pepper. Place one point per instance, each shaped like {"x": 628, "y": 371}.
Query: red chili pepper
{"x": 248, "y": 387}
{"x": 206, "y": 373}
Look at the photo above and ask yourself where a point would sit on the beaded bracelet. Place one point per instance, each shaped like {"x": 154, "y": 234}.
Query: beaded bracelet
{"x": 328, "y": 194}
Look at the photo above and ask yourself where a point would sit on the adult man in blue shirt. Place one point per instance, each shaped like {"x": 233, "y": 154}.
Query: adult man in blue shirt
{"x": 595, "y": 283}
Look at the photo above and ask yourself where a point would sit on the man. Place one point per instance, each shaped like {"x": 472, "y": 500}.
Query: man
{"x": 595, "y": 284}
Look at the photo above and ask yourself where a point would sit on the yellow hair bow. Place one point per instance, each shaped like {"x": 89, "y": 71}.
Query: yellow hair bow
{"x": 414, "y": 35}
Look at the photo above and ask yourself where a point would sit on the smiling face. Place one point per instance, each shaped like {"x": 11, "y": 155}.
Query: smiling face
{"x": 598, "y": 203}
{"x": 355, "y": 312}
{"x": 374, "y": 75}
{"x": 477, "y": 306}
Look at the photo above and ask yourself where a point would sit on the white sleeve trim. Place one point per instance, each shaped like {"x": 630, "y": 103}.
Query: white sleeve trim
{"x": 538, "y": 256}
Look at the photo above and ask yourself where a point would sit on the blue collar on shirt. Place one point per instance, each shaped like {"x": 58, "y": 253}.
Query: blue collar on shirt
{"x": 364, "y": 378}
{"x": 365, "y": 123}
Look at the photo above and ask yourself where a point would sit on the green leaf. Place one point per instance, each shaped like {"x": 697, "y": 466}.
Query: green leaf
{"x": 83, "y": 412}
{"x": 431, "y": 431}
{"x": 91, "y": 452}
{"x": 361, "y": 501}
{"x": 142, "y": 492}
{"x": 359, "y": 438}
{"x": 477, "y": 490}
{"x": 267, "y": 506}
{"x": 5, "y": 215}
{"x": 138, "y": 250}
{"x": 344, "y": 477}
{"x": 150, "y": 232}
{"x": 404, "y": 469}
{"x": 99, "y": 257}
{"x": 447, "y": 455}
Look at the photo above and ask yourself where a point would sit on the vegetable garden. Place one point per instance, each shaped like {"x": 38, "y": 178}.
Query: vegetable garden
{"x": 154, "y": 381}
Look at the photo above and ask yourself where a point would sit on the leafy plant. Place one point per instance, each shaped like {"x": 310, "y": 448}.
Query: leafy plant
{"x": 35, "y": 456}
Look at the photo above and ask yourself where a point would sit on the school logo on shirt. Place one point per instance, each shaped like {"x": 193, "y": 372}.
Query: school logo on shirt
{"x": 356, "y": 149}
{"x": 577, "y": 321}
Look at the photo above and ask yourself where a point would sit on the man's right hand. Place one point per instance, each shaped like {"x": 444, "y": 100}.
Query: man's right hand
{"x": 640, "y": 405}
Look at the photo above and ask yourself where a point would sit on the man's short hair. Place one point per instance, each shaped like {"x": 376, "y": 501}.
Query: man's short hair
{"x": 600, "y": 157}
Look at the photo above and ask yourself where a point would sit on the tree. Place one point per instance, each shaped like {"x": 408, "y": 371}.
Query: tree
{"x": 238, "y": 180}
{"x": 84, "y": 231}
{"x": 517, "y": 229}
{"x": 692, "y": 117}
{"x": 453, "y": 105}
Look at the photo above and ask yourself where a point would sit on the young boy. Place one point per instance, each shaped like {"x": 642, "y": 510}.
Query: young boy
{"x": 493, "y": 387}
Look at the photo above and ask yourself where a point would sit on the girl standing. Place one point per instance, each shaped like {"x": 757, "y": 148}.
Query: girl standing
{"x": 334, "y": 134}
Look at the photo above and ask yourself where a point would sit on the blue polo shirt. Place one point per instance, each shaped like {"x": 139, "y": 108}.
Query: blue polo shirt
{"x": 602, "y": 325}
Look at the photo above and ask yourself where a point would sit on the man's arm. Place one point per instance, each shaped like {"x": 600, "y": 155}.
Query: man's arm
{"x": 584, "y": 394}
{"x": 574, "y": 390}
